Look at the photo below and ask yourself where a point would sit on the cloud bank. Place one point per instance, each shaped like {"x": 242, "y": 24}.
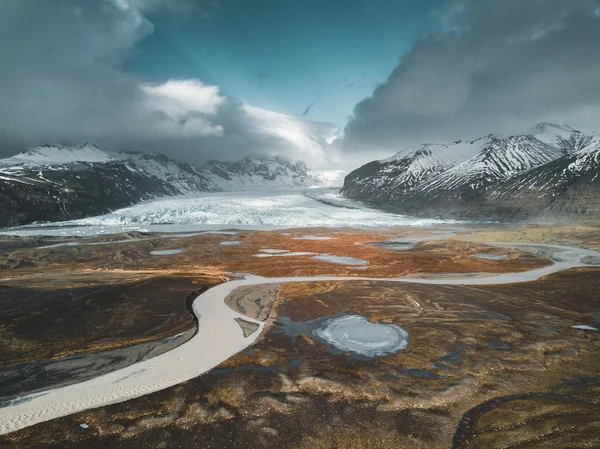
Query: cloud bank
{"x": 498, "y": 66}
{"x": 62, "y": 80}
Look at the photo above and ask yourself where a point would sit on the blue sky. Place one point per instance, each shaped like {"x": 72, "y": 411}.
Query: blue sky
{"x": 284, "y": 55}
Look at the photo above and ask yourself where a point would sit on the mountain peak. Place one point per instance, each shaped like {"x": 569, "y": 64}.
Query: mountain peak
{"x": 60, "y": 154}
{"x": 552, "y": 134}
{"x": 545, "y": 127}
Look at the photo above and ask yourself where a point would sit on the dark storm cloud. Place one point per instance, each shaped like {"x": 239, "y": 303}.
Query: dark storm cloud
{"x": 62, "y": 80}
{"x": 500, "y": 66}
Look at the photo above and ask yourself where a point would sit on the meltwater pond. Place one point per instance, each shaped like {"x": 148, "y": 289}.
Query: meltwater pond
{"x": 166, "y": 252}
{"x": 396, "y": 245}
{"x": 491, "y": 256}
{"x": 341, "y": 260}
{"x": 352, "y": 333}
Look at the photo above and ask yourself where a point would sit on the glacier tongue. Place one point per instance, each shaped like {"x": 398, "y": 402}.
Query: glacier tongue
{"x": 246, "y": 210}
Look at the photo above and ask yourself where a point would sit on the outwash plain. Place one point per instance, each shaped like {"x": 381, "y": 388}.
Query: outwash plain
{"x": 501, "y": 350}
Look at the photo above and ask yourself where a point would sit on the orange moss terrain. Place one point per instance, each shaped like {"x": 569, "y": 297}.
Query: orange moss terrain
{"x": 206, "y": 250}
{"x": 43, "y": 318}
{"x": 66, "y": 300}
{"x": 486, "y": 366}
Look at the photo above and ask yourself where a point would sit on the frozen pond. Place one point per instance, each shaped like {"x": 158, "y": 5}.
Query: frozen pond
{"x": 80, "y": 243}
{"x": 356, "y": 334}
{"x": 166, "y": 252}
{"x": 341, "y": 260}
{"x": 284, "y": 254}
{"x": 491, "y": 256}
{"x": 352, "y": 333}
{"x": 396, "y": 245}
{"x": 57, "y": 245}
{"x": 181, "y": 236}
{"x": 585, "y": 327}
{"x": 313, "y": 237}
{"x": 231, "y": 243}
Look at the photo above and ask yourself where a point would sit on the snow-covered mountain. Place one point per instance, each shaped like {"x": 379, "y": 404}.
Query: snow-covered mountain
{"x": 408, "y": 169}
{"x": 60, "y": 182}
{"x": 499, "y": 158}
{"x": 493, "y": 177}
{"x": 263, "y": 173}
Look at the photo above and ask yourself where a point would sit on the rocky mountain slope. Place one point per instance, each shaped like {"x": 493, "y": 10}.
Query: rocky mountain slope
{"x": 61, "y": 182}
{"x": 551, "y": 172}
{"x": 262, "y": 173}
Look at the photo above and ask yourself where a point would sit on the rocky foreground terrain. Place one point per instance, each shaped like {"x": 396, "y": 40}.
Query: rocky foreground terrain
{"x": 60, "y": 182}
{"x": 489, "y": 366}
{"x": 552, "y": 173}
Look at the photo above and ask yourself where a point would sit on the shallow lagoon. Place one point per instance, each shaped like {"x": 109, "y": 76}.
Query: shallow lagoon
{"x": 491, "y": 256}
{"x": 341, "y": 260}
{"x": 166, "y": 252}
{"x": 396, "y": 245}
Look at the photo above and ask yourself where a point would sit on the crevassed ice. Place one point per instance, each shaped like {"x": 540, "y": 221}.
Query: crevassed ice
{"x": 264, "y": 210}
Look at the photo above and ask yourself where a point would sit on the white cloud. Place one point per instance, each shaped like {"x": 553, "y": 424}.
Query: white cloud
{"x": 180, "y": 97}
{"x": 62, "y": 80}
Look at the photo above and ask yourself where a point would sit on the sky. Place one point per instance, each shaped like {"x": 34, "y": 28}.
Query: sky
{"x": 335, "y": 83}
{"x": 287, "y": 55}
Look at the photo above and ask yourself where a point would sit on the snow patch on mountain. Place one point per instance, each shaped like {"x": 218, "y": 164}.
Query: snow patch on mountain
{"x": 58, "y": 154}
{"x": 552, "y": 170}
{"x": 182, "y": 178}
{"x": 499, "y": 158}
{"x": 263, "y": 173}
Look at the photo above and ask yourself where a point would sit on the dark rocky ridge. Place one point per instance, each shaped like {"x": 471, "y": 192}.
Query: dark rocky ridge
{"x": 86, "y": 189}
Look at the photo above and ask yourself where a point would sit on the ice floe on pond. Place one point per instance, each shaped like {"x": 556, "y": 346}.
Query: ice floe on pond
{"x": 341, "y": 260}
{"x": 351, "y": 333}
{"x": 356, "y": 334}
{"x": 584, "y": 327}
{"x": 166, "y": 252}
{"x": 491, "y": 256}
{"x": 231, "y": 243}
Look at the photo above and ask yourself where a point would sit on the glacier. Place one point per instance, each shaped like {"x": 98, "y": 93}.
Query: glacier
{"x": 227, "y": 210}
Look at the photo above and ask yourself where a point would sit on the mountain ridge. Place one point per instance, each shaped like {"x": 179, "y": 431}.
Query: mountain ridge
{"x": 56, "y": 182}
{"x": 491, "y": 178}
